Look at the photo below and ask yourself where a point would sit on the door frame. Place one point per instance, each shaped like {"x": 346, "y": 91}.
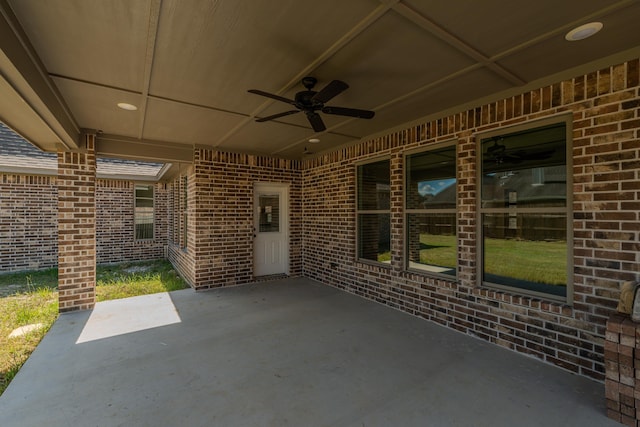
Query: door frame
{"x": 283, "y": 189}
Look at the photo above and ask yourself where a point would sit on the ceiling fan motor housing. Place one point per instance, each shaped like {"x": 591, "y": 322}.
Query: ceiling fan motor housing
{"x": 304, "y": 101}
{"x": 309, "y": 82}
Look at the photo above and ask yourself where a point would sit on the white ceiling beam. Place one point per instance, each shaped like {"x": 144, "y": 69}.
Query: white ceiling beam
{"x": 152, "y": 36}
{"x": 123, "y": 147}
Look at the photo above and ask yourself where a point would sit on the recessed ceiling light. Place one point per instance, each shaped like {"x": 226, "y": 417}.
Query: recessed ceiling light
{"x": 127, "y": 106}
{"x": 583, "y": 31}
{"x": 314, "y": 140}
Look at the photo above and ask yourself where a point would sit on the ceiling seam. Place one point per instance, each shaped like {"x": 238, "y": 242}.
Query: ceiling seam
{"x": 152, "y": 36}
{"x": 458, "y": 44}
{"x": 361, "y": 26}
{"x": 95, "y": 84}
{"x": 193, "y": 104}
{"x": 149, "y": 96}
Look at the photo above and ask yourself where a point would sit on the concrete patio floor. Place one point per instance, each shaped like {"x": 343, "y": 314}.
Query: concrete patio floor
{"x": 285, "y": 353}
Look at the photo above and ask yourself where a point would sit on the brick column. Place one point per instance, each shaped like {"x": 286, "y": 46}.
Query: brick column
{"x": 397, "y": 211}
{"x": 468, "y": 243}
{"x": 77, "y": 228}
{"x": 622, "y": 365}
{"x": 414, "y": 230}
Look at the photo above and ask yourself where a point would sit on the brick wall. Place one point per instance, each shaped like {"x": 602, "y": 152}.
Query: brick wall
{"x": 180, "y": 248}
{"x": 28, "y": 222}
{"x": 604, "y": 106}
{"x": 220, "y": 232}
{"x": 115, "y": 223}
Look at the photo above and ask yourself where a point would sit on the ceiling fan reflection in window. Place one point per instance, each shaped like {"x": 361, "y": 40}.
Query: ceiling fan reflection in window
{"x": 498, "y": 153}
{"x": 311, "y": 103}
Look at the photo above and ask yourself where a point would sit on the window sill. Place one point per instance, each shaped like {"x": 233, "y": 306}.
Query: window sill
{"x": 384, "y": 264}
{"x": 432, "y": 271}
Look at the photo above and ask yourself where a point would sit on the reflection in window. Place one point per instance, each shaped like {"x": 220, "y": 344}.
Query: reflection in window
{"x": 525, "y": 211}
{"x": 431, "y": 211}
{"x": 527, "y": 251}
{"x": 374, "y": 237}
{"x": 269, "y": 219}
{"x": 374, "y": 211}
{"x": 143, "y": 213}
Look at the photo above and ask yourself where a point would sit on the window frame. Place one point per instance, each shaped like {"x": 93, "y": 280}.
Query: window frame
{"x": 136, "y": 214}
{"x": 567, "y": 120}
{"x": 407, "y": 211}
{"x": 359, "y": 211}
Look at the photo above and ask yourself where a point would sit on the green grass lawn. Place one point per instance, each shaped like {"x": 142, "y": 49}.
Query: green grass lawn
{"x": 28, "y": 298}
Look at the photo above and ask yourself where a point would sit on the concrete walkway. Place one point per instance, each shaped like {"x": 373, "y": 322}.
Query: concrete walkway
{"x": 284, "y": 353}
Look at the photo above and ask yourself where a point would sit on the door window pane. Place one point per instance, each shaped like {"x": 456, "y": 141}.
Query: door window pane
{"x": 269, "y": 218}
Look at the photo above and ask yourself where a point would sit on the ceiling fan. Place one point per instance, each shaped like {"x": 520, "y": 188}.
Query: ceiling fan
{"x": 311, "y": 102}
{"x": 498, "y": 153}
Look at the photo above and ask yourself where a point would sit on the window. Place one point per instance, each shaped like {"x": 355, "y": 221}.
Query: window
{"x": 143, "y": 211}
{"x": 374, "y": 211}
{"x": 431, "y": 211}
{"x": 525, "y": 210}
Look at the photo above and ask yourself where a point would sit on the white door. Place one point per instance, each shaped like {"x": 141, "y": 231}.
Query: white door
{"x": 271, "y": 229}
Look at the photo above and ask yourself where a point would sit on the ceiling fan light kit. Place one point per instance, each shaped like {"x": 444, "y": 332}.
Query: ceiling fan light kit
{"x": 311, "y": 103}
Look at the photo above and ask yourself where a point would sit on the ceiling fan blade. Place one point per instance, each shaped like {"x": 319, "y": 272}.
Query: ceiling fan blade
{"x": 350, "y": 112}
{"x": 316, "y": 122}
{"x": 276, "y": 116}
{"x": 272, "y": 96}
{"x": 334, "y": 88}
